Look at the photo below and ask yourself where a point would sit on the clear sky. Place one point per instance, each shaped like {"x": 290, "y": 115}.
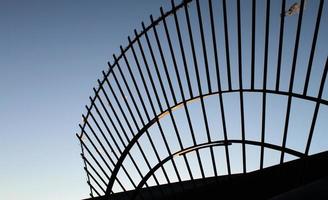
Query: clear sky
{"x": 51, "y": 54}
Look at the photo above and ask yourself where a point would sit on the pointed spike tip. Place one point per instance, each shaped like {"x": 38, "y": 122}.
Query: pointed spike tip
{"x": 121, "y": 48}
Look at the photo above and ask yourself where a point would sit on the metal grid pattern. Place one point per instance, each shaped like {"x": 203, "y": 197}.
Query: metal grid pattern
{"x": 197, "y": 92}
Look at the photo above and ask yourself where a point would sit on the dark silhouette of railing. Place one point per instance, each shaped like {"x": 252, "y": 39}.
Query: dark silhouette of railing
{"x": 179, "y": 61}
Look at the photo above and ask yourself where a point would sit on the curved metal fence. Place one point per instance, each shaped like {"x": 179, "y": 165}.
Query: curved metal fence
{"x": 209, "y": 88}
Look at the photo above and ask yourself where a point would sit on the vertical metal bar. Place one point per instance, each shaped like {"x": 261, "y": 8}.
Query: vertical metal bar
{"x": 133, "y": 78}
{"x": 225, "y": 133}
{"x": 200, "y": 23}
{"x": 189, "y": 85}
{"x": 95, "y": 147}
{"x": 119, "y": 104}
{"x": 177, "y": 27}
{"x": 159, "y": 103}
{"x": 196, "y": 69}
{"x": 241, "y": 98}
{"x": 314, "y": 43}
{"x": 152, "y": 104}
{"x": 93, "y": 169}
{"x": 164, "y": 64}
{"x": 181, "y": 89}
{"x": 172, "y": 93}
{"x": 94, "y": 179}
{"x": 139, "y": 94}
{"x": 133, "y": 100}
{"x": 156, "y": 66}
{"x": 134, "y": 120}
{"x": 103, "y": 120}
{"x": 115, "y": 114}
{"x": 266, "y": 50}
{"x": 165, "y": 96}
{"x": 102, "y": 133}
{"x": 208, "y": 82}
{"x": 98, "y": 164}
{"x": 85, "y": 164}
{"x": 253, "y": 43}
{"x": 132, "y": 159}
{"x": 116, "y": 169}
{"x": 148, "y": 70}
{"x": 93, "y": 157}
{"x": 113, "y": 111}
{"x": 281, "y": 39}
{"x": 130, "y": 93}
{"x": 219, "y": 86}
{"x": 316, "y": 111}
{"x": 286, "y": 127}
{"x": 105, "y": 151}
{"x": 137, "y": 88}
{"x": 226, "y": 37}
{"x": 292, "y": 81}
{"x": 94, "y": 189}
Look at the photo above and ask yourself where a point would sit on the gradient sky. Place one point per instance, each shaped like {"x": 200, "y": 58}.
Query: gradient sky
{"x": 51, "y": 54}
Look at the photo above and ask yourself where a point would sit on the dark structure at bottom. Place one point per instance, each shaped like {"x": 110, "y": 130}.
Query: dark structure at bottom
{"x": 305, "y": 178}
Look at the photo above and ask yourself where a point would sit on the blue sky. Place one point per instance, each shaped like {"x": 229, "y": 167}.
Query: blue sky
{"x": 51, "y": 54}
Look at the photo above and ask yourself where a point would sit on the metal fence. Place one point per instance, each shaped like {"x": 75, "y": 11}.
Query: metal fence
{"x": 209, "y": 88}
